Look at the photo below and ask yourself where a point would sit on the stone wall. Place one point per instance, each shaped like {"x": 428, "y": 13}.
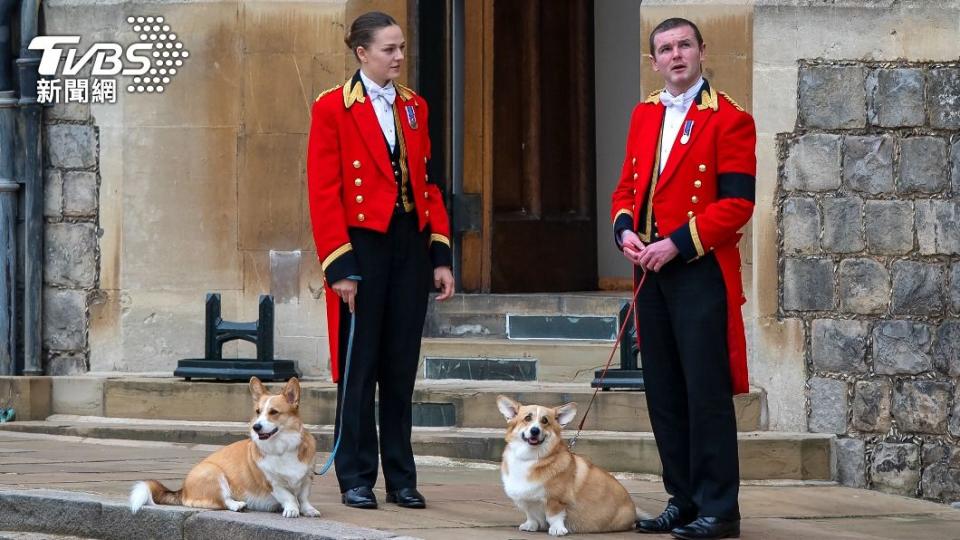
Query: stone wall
{"x": 869, "y": 238}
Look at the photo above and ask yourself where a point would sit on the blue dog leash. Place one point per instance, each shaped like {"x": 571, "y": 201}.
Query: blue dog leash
{"x": 343, "y": 399}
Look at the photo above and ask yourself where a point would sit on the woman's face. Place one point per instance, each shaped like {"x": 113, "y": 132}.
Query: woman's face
{"x": 381, "y": 61}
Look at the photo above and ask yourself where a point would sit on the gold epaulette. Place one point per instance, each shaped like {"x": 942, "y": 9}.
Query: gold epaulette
{"x": 328, "y": 90}
{"x": 654, "y": 96}
{"x": 406, "y": 93}
{"x": 732, "y": 102}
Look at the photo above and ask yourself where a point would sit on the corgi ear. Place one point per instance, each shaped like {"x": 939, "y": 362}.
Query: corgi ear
{"x": 257, "y": 389}
{"x": 508, "y": 407}
{"x": 566, "y": 413}
{"x": 291, "y": 392}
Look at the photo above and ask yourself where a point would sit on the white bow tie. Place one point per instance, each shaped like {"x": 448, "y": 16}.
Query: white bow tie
{"x": 389, "y": 93}
{"x": 671, "y": 101}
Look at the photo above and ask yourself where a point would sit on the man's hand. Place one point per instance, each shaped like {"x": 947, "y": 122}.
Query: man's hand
{"x": 443, "y": 280}
{"x": 657, "y": 254}
{"x": 346, "y": 289}
{"x": 632, "y": 246}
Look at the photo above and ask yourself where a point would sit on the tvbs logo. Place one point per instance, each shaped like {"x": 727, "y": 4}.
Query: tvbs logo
{"x": 150, "y": 62}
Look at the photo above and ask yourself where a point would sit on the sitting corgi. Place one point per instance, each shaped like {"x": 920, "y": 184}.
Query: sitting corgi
{"x": 550, "y": 484}
{"x": 269, "y": 471}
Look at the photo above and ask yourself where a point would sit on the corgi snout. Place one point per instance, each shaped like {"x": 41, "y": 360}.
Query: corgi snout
{"x": 264, "y": 432}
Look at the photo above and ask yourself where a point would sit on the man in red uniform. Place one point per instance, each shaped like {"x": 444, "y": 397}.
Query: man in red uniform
{"x": 686, "y": 188}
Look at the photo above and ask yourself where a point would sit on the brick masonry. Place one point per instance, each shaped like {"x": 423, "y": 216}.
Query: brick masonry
{"x": 869, "y": 248}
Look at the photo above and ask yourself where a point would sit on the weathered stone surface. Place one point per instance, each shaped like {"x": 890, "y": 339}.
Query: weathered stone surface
{"x": 889, "y": 227}
{"x": 954, "y": 287}
{"x": 922, "y": 406}
{"x": 851, "y": 463}
{"x": 66, "y": 364}
{"x": 954, "y": 425}
{"x": 955, "y": 167}
{"x": 864, "y": 286}
{"x": 946, "y": 350}
{"x": 839, "y": 345}
{"x": 923, "y": 165}
{"x": 940, "y": 479}
{"x": 64, "y": 319}
{"x": 868, "y": 163}
{"x": 71, "y": 254}
{"x": 80, "y": 194}
{"x": 871, "y": 406}
{"x": 828, "y": 406}
{"x": 833, "y": 97}
{"x": 940, "y": 453}
{"x": 938, "y": 227}
{"x": 78, "y": 112}
{"x": 943, "y": 97}
{"x": 902, "y": 347}
{"x": 801, "y": 226}
{"x": 71, "y": 146}
{"x": 813, "y": 163}
{"x": 917, "y": 288}
{"x": 842, "y": 224}
{"x": 808, "y": 284}
{"x": 52, "y": 193}
{"x": 892, "y": 97}
{"x": 895, "y": 468}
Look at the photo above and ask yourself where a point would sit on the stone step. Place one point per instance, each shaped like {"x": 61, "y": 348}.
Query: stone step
{"x": 446, "y": 404}
{"x": 526, "y": 316}
{"x": 524, "y": 360}
{"x": 763, "y": 455}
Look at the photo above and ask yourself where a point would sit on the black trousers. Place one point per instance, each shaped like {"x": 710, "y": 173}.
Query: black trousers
{"x": 391, "y": 305}
{"x": 682, "y": 317}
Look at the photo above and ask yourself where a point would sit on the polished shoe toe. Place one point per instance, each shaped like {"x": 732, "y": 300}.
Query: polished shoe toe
{"x": 359, "y": 497}
{"x": 407, "y": 498}
{"x": 708, "y": 528}
{"x": 671, "y": 518}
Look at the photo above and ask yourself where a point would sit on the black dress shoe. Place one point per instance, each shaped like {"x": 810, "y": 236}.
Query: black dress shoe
{"x": 407, "y": 498}
{"x": 708, "y": 528}
{"x": 670, "y": 519}
{"x": 359, "y": 497}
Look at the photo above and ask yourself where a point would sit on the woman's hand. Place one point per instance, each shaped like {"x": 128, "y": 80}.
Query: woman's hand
{"x": 346, "y": 289}
{"x": 443, "y": 280}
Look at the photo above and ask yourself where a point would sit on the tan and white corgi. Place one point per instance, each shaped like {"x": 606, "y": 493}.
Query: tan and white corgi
{"x": 557, "y": 489}
{"x": 268, "y": 472}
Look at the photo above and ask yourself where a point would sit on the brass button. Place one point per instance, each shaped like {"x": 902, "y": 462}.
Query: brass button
{"x": 694, "y": 199}
{"x": 358, "y": 182}
{"x": 690, "y": 214}
{"x": 426, "y": 178}
{"x": 697, "y": 183}
{"x": 656, "y": 235}
{"x": 424, "y": 159}
{"x": 359, "y": 198}
{"x": 426, "y": 213}
{"x": 361, "y": 217}
{"x": 702, "y": 168}
{"x": 634, "y": 192}
{"x": 635, "y": 176}
{"x": 426, "y": 194}
{"x": 356, "y": 164}
{"x": 634, "y": 161}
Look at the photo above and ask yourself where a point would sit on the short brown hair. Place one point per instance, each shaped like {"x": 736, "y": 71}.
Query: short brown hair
{"x": 670, "y": 24}
{"x": 364, "y": 27}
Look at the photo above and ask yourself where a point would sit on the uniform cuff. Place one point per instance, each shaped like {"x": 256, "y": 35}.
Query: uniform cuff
{"x": 440, "y": 253}
{"x": 687, "y": 240}
{"x": 340, "y": 264}
{"x": 623, "y": 222}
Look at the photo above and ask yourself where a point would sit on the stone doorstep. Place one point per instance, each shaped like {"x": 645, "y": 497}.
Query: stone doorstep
{"x": 474, "y": 403}
{"x": 89, "y": 516}
{"x": 763, "y": 455}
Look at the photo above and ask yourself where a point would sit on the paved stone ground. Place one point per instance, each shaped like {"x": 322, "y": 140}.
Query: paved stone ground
{"x": 465, "y": 500}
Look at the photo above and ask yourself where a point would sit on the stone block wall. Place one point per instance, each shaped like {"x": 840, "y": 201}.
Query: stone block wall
{"x": 869, "y": 253}
{"x": 71, "y": 232}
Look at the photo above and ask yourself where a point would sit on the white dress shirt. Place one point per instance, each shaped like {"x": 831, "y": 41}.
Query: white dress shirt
{"x": 382, "y": 99}
{"x": 677, "y": 107}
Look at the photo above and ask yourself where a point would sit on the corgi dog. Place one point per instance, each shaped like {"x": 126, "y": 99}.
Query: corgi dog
{"x": 557, "y": 489}
{"x": 269, "y": 471}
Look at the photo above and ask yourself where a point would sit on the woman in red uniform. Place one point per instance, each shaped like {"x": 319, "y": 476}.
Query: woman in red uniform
{"x": 383, "y": 239}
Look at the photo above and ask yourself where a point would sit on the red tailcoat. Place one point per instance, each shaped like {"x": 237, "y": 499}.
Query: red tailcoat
{"x": 351, "y": 183}
{"x": 703, "y": 197}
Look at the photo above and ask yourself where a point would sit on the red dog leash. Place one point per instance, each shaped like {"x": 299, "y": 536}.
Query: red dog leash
{"x": 623, "y": 327}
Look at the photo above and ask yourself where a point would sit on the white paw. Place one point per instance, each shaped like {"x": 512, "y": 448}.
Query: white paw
{"x": 236, "y": 506}
{"x": 291, "y": 512}
{"x": 310, "y": 511}
{"x": 558, "y": 530}
{"x": 529, "y": 525}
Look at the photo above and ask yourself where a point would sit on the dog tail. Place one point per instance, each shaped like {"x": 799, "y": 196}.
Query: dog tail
{"x": 152, "y": 492}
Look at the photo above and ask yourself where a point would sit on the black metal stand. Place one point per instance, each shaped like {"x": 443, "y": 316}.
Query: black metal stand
{"x": 218, "y": 332}
{"x": 628, "y": 376}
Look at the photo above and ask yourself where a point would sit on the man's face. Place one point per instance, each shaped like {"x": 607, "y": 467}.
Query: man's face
{"x": 677, "y": 56}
